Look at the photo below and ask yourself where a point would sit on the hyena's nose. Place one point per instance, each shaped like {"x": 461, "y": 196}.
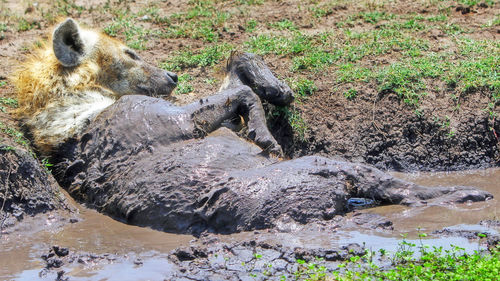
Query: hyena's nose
{"x": 173, "y": 76}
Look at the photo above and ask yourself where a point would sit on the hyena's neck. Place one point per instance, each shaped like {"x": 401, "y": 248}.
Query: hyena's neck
{"x": 67, "y": 118}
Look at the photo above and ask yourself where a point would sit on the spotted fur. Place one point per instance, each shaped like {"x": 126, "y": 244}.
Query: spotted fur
{"x": 62, "y": 86}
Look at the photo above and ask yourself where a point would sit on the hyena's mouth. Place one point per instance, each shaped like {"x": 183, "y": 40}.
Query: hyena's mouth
{"x": 156, "y": 91}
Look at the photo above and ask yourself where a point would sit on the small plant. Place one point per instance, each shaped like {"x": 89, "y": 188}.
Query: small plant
{"x": 294, "y": 119}
{"x": 184, "y": 87}
{"x": 16, "y": 135}
{"x": 280, "y": 45}
{"x": 10, "y": 102}
{"x": 375, "y": 16}
{"x": 208, "y": 56}
{"x": 24, "y": 25}
{"x": 446, "y": 123}
{"x": 285, "y": 24}
{"x": 210, "y": 81}
{"x": 303, "y": 87}
{"x": 251, "y": 25}
{"x": 46, "y": 164}
{"x": 438, "y": 18}
{"x": 3, "y": 28}
{"x": 7, "y": 148}
{"x": 251, "y": 2}
{"x": 321, "y": 11}
{"x": 351, "y": 94}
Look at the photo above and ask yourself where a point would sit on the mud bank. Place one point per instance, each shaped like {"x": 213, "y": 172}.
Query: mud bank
{"x": 29, "y": 194}
{"x": 380, "y": 130}
{"x": 267, "y": 255}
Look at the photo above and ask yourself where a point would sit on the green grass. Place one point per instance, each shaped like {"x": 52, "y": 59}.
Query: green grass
{"x": 16, "y": 135}
{"x": 9, "y": 102}
{"x": 350, "y": 94}
{"x": 433, "y": 264}
{"x": 373, "y": 17}
{"x": 409, "y": 262}
{"x": 285, "y": 24}
{"x": 294, "y": 119}
{"x": 321, "y": 11}
{"x": 406, "y": 78}
{"x": 472, "y": 3}
{"x": 279, "y": 45}
{"x": 349, "y": 72}
{"x": 209, "y": 56}
{"x": 202, "y": 20}
{"x": 415, "y": 66}
{"x": 125, "y": 23}
{"x": 303, "y": 87}
{"x": 184, "y": 87}
{"x": 24, "y": 25}
{"x": 251, "y": 25}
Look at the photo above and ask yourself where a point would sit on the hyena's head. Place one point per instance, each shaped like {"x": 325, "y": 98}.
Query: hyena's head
{"x": 119, "y": 68}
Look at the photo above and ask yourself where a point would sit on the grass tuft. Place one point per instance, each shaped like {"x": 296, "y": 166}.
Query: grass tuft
{"x": 208, "y": 56}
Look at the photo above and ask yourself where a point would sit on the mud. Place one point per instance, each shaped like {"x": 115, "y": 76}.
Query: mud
{"x": 267, "y": 255}
{"x": 27, "y": 191}
{"x": 431, "y": 218}
{"x": 380, "y": 130}
{"x": 208, "y": 259}
{"x": 94, "y": 235}
{"x": 97, "y": 237}
{"x": 136, "y": 163}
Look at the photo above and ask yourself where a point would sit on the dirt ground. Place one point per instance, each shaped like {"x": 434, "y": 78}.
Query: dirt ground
{"x": 375, "y": 127}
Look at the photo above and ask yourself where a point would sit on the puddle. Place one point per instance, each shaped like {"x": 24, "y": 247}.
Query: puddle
{"x": 428, "y": 219}
{"x": 154, "y": 266}
{"x": 99, "y": 234}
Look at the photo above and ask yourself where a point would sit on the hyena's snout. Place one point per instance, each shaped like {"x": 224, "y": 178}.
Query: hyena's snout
{"x": 161, "y": 83}
{"x": 172, "y": 76}
{"x": 170, "y": 81}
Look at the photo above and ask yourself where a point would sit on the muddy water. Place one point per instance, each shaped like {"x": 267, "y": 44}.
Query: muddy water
{"x": 428, "y": 219}
{"x": 96, "y": 233}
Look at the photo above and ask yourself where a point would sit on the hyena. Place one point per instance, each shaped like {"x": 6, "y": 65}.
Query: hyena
{"x": 62, "y": 87}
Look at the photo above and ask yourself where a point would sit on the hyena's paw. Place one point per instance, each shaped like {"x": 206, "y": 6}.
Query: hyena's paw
{"x": 249, "y": 69}
{"x": 266, "y": 141}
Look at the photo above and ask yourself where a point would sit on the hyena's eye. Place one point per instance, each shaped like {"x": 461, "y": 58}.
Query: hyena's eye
{"x": 132, "y": 54}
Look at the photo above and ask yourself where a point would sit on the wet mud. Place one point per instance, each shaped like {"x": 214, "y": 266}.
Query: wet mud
{"x": 138, "y": 163}
{"x": 27, "y": 190}
{"x": 430, "y": 218}
{"x": 112, "y": 250}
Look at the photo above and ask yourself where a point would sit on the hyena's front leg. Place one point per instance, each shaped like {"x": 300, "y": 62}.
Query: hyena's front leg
{"x": 209, "y": 113}
{"x": 251, "y": 70}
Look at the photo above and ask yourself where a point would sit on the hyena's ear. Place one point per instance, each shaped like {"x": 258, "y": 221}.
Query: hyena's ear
{"x": 67, "y": 43}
